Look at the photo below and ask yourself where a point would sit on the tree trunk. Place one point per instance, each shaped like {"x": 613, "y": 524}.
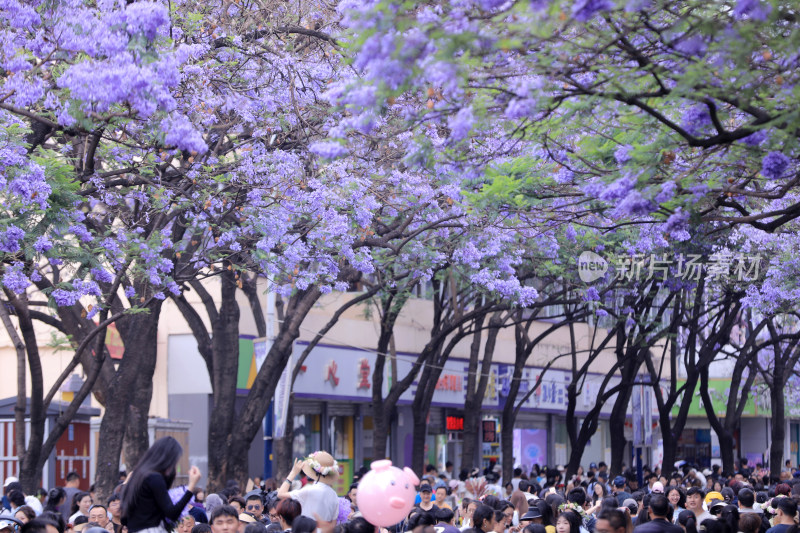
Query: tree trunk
{"x": 225, "y": 355}
{"x": 418, "y": 455}
{"x": 229, "y": 455}
{"x": 476, "y": 391}
{"x": 283, "y": 448}
{"x": 778, "y": 417}
{"x": 617, "y": 424}
{"x": 139, "y": 334}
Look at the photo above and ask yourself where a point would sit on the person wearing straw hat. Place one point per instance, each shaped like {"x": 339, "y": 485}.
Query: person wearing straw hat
{"x": 317, "y": 499}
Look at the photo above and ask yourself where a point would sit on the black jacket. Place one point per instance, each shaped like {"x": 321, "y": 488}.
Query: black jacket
{"x": 658, "y": 525}
{"x": 153, "y": 505}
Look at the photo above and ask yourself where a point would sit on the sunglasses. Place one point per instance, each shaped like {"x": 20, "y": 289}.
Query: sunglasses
{"x": 253, "y": 507}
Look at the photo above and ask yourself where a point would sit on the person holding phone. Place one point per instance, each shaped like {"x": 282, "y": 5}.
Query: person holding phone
{"x": 146, "y": 504}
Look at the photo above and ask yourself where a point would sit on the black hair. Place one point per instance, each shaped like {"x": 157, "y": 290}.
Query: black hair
{"x": 524, "y": 485}
{"x": 482, "y": 514}
{"x": 72, "y": 476}
{"x": 14, "y": 485}
{"x": 77, "y": 499}
{"x": 99, "y": 505}
{"x": 534, "y": 528}
{"x": 747, "y": 497}
{"x": 254, "y": 497}
{"x": 730, "y": 516}
{"x": 492, "y": 501}
{"x": 222, "y": 510}
{"x": 609, "y": 502}
{"x": 463, "y": 475}
{"x": 681, "y": 493}
{"x": 303, "y": 524}
{"x": 161, "y": 458}
{"x": 205, "y": 528}
{"x": 577, "y": 495}
{"x": 39, "y": 525}
{"x": 80, "y": 519}
{"x": 239, "y": 500}
{"x": 422, "y": 518}
{"x": 358, "y": 525}
{"x": 114, "y": 497}
{"x": 712, "y": 525}
{"x": 28, "y": 511}
{"x": 548, "y": 517}
{"x": 604, "y": 490}
{"x": 574, "y": 520}
{"x": 615, "y": 517}
{"x": 16, "y": 497}
{"x": 659, "y": 505}
{"x": 255, "y": 527}
{"x": 695, "y": 490}
{"x": 787, "y": 505}
{"x": 56, "y": 518}
{"x": 443, "y": 514}
{"x": 688, "y": 520}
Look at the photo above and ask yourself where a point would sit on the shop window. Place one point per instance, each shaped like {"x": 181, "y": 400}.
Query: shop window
{"x": 306, "y": 435}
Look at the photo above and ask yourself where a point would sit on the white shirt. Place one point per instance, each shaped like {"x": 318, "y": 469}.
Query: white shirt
{"x": 34, "y": 503}
{"x": 317, "y": 498}
{"x": 76, "y": 515}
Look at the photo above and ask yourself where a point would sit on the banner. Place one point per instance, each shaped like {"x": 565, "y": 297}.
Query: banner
{"x": 281, "y": 400}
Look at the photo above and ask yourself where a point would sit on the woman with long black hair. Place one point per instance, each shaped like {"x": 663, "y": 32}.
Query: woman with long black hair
{"x": 146, "y": 504}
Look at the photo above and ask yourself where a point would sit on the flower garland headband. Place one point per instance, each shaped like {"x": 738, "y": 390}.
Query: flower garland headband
{"x": 318, "y": 468}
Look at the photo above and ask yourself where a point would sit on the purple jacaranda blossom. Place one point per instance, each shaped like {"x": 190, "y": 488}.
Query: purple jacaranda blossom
{"x": 14, "y": 279}
{"x": 634, "y": 204}
{"x": 774, "y": 165}
{"x": 696, "y": 119}
{"x": 460, "y": 124}
{"x": 327, "y": 149}
{"x": 570, "y": 233}
{"x": 130, "y": 291}
{"x": 693, "y": 45}
{"x": 591, "y": 295}
{"x": 65, "y": 298}
{"x": 584, "y": 10}
{"x": 42, "y": 244}
{"x": 10, "y": 239}
{"x": 677, "y": 225}
{"x": 601, "y": 313}
{"x": 666, "y": 193}
{"x": 102, "y": 275}
{"x": 754, "y": 9}
{"x": 146, "y": 18}
{"x": 623, "y": 153}
{"x": 489, "y": 5}
{"x": 182, "y": 134}
{"x": 756, "y": 138}
{"x": 81, "y": 232}
{"x": 617, "y": 190}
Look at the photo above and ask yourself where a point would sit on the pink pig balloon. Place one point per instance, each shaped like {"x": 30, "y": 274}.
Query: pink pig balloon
{"x": 386, "y": 494}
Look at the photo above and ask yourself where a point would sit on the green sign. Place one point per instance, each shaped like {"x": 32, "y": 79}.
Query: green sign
{"x": 719, "y": 389}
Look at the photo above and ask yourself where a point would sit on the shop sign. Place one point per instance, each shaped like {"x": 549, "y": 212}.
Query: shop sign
{"x": 489, "y": 428}
{"x": 364, "y": 373}
{"x": 455, "y": 423}
{"x": 450, "y": 382}
{"x": 330, "y": 372}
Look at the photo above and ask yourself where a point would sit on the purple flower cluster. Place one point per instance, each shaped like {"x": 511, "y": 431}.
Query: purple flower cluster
{"x": 623, "y": 153}
{"x": 696, "y": 119}
{"x": 460, "y": 124}
{"x": 146, "y": 18}
{"x": 328, "y": 149}
{"x": 42, "y": 244}
{"x": 677, "y": 226}
{"x": 10, "y": 240}
{"x": 754, "y": 9}
{"x": 583, "y": 10}
{"x": 14, "y": 279}
{"x": 182, "y": 134}
{"x": 774, "y": 165}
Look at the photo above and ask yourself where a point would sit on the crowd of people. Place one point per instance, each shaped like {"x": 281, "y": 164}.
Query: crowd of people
{"x": 685, "y": 500}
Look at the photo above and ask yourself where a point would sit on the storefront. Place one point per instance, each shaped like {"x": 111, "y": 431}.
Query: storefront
{"x": 331, "y": 409}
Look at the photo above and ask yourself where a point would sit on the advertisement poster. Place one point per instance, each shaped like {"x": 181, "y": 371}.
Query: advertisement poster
{"x": 530, "y": 447}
